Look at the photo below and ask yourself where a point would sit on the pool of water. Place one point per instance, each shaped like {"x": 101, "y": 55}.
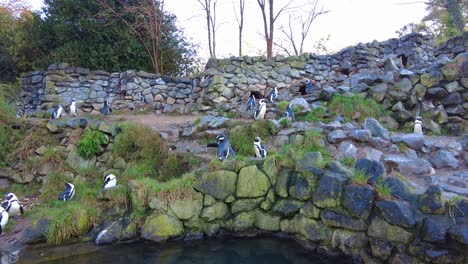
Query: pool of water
{"x": 232, "y": 250}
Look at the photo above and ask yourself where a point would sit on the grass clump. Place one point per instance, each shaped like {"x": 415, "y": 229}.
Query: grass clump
{"x": 285, "y": 122}
{"x": 318, "y": 114}
{"x": 359, "y": 177}
{"x": 91, "y": 143}
{"x": 242, "y": 137}
{"x": 282, "y": 105}
{"x": 384, "y": 191}
{"x": 349, "y": 107}
{"x": 348, "y": 161}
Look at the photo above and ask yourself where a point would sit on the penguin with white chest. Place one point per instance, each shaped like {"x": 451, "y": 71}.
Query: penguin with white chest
{"x": 105, "y": 110}
{"x": 309, "y": 86}
{"x": 418, "y": 126}
{"x": 289, "y": 113}
{"x": 73, "y": 107}
{"x": 57, "y": 111}
{"x": 260, "y": 150}
{"x": 110, "y": 181}
{"x": 3, "y": 219}
{"x": 261, "y": 110}
{"x": 224, "y": 149}
{"x": 273, "y": 94}
{"x": 68, "y": 192}
{"x": 12, "y": 205}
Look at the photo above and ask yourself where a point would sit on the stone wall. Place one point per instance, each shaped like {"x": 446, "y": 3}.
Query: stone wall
{"x": 407, "y": 75}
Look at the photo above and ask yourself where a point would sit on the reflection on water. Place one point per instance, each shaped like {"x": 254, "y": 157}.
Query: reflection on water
{"x": 255, "y": 251}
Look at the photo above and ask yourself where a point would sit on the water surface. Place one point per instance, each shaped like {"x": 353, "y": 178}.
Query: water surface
{"x": 232, "y": 250}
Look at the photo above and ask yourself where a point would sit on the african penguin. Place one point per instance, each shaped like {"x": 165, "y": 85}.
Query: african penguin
{"x": 73, "y": 107}
{"x": 290, "y": 113}
{"x": 3, "y": 219}
{"x": 260, "y": 150}
{"x": 309, "y": 86}
{"x": 57, "y": 111}
{"x": 12, "y": 205}
{"x": 142, "y": 98}
{"x": 261, "y": 110}
{"x": 224, "y": 149}
{"x": 68, "y": 192}
{"x": 105, "y": 110}
{"x": 251, "y": 102}
{"x": 273, "y": 94}
{"x": 110, "y": 181}
{"x": 418, "y": 126}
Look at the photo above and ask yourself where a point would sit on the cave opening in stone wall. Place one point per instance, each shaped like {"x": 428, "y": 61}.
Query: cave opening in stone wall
{"x": 404, "y": 59}
{"x": 256, "y": 94}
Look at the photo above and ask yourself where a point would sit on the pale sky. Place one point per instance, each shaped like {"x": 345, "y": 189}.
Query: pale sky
{"x": 348, "y": 23}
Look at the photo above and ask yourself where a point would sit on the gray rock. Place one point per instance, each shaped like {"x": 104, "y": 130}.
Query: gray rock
{"x": 338, "y": 219}
{"x": 35, "y": 233}
{"x": 362, "y": 135}
{"x": 212, "y": 122}
{"x": 358, "y": 200}
{"x": 300, "y": 102}
{"x": 347, "y": 150}
{"x": 406, "y": 165}
{"x": 443, "y": 159}
{"x": 374, "y": 169}
{"x": 376, "y": 128}
{"x": 397, "y": 213}
{"x": 414, "y": 141}
{"x": 337, "y": 136}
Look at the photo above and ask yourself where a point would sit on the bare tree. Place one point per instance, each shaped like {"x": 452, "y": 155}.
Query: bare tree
{"x": 304, "y": 23}
{"x": 145, "y": 23}
{"x": 240, "y": 22}
{"x": 269, "y": 22}
{"x": 15, "y": 7}
{"x": 209, "y": 6}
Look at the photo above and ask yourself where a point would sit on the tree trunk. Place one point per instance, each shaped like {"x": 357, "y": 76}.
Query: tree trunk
{"x": 208, "y": 24}
{"x": 270, "y": 37}
{"x": 454, "y": 9}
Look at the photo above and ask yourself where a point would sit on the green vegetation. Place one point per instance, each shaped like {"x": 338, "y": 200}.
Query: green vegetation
{"x": 214, "y": 165}
{"x": 22, "y": 190}
{"x": 282, "y": 105}
{"x": 285, "y": 122}
{"x": 349, "y": 107}
{"x": 452, "y": 206}
{"x": 359, "y": 177}
{"x": 318, "y": 114}
{"x": 242, "y": 137}
{"x": 348, "y": 161}
{"x": 384, "y": 191}
{"x": 91, "y": 143}
{"x": 8, "y": 135}
{"x": 312, "y": 143}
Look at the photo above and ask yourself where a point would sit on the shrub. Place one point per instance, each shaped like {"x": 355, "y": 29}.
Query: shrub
{"x": 8, "y": 136}
{"x": 242, "y": 137}
{"x": 285, "y": 122}
{"x": 90, "y": 143}
{"x": 359, "y": 177}
{"x": 282, "y": 105}
{"x": 349, "y": 106}
{"x": 172, "y": 167}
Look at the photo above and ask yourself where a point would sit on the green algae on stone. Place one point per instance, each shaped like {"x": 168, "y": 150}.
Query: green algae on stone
{"x": 187, "y": 208}
{"x": 380, "y": 228}
{"x": 216, "y": 211}
{"x": 161, "y": 227}
{"x": 270, "y": 168}
{"x": 219, "y": 184}
{"x": 247, "y": 204}
{"x": 312, "y": 229}
{"x": 252, "y": 182}
{"x": 266, "y": 221}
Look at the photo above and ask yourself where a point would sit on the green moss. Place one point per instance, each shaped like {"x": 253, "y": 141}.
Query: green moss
{"x": 348, "y": 107}
{"x": 90, "y": 143}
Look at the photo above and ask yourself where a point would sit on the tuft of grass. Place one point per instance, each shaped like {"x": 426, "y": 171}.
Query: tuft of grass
{"x": 282, "y": 105}
{"x": 318, "y": 114}
{"x": 22, "y": 190}
{"x": 349, "y": 106}
{"x": 214, "y": 165}
{"x": 90, "y": 143}
{"x": 384, "y": 191}
{"x": 452, "y": 207}
{"x": 139, "y": 169}
{"x": 172, "y": 167}
{"x": 285, "y": 122}
{"x": 359, "y": 177}
{"x": 139, "y": 143}
{"x": 348, "y": 161}
{"x": 242, "y": 137}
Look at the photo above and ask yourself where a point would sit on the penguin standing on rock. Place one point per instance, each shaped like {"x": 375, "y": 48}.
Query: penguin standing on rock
{"x": 418, "y": 126}
{"x": 273, "y": 94}
{"x": 290, "y": 113}
{"x": 224, "y": 149}
{"x": 57, "y": 111}
{"x": 261, "y": 110}
{"x": 260, "y": 150}
{"x": 105, "y": 110}
{"x": 251, "y": 102}
{"x": 68, "y": 192}
{"x": 309, "y": 86}
{"x": 3, "y": 219}
{"x": 12, "y": 205}
{"x": 73, "y": 107}
{"x": 110, "y": 181}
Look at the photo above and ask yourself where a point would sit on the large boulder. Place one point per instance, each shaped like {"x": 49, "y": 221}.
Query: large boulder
{"x": 215, "y": 211}
{"x": 373, "y": 169}
{"x": 340, "y": 219}
{"x": 414, "y": 141}
{"x": 187, "y": 207}
{"x": 270, "y": 167}
{"x": 430, "y": 202}
{"x": 242, "y": 221}
{"x": 301, "y": 186}
{"x": 358, "y": 200}
{"x": 443, "y": 159}
{"x": 115, "y": 231}
{"x": 434, "y": 228}
{"x": 36, "y": 232}
{"x": 246, "y": 204}
{"x": 379, "y": 228}
{"x": 281, "y": 187}
{"x": 287, "y": 207}
{"x": 347, "y": 240}
{"x": 329, "y": 189}
{"x": 219, "y": 184}
{"x": 397, "y": 213}
{"x": 311, "y": 229}
{"x": 160, "y": 227}
{"x": 407, "y": 165}
{"x": 376, "y": 128}
{"x": 267, "y": 221}
{"x": 252, "y": 182}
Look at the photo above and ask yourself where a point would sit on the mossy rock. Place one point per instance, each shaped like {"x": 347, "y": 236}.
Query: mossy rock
{"x": 219, "y": 184}
{"x": 287, "y": 207}
{"x": 248, "y": 204}
{"x": 188, "y": 207}
{"x": 329, "y": 189}
{"x": 242, "y": 221}
{"x": 270, "y": 199}
{"x": 252, "y": 183}
{"x": 379, "y": 228}
{"x": 282, "y": 184}
{"x": 270, "y": 167}
{"x": 267, "y": 221}
{"x": 160, "y": 227}
{"x": 312, "y": 229}
{"x": 217, "y": 211}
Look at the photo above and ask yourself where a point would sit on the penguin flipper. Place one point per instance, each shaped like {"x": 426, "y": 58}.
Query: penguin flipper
{"x": 212, "y": 145}
{"x": 21, "y": 209}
